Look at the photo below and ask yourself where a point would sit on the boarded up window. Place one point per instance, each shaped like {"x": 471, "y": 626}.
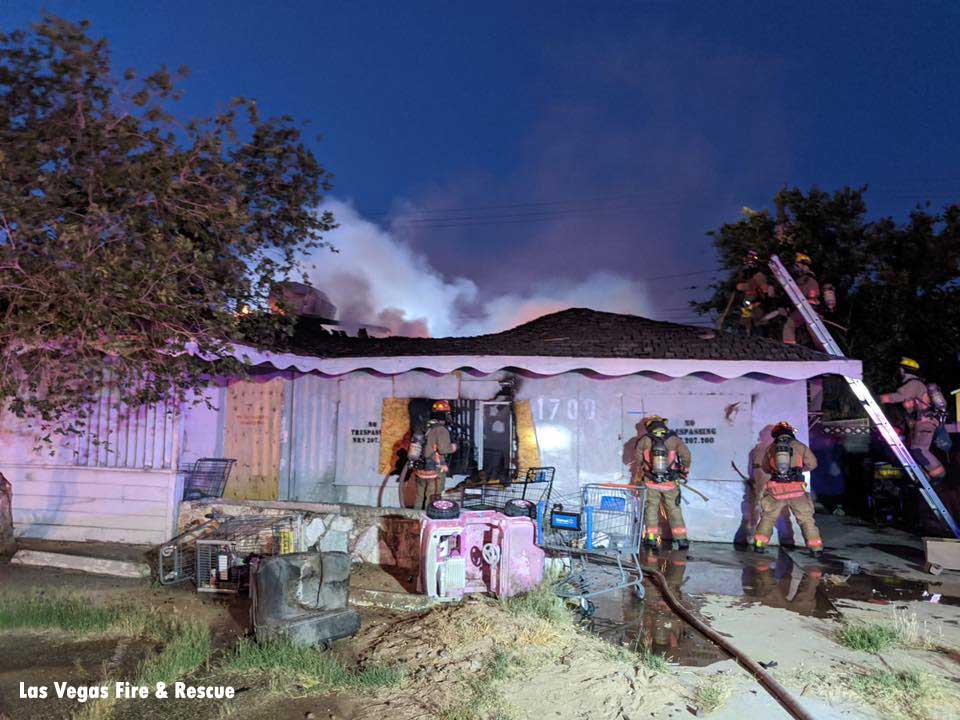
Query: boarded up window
{"x": 252, "y": 437}
{"x": 528, "y": 450}
{"x": 394, "y": 434}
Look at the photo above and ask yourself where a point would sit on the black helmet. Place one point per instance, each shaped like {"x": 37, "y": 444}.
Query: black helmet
{"x": 783, "y": 428}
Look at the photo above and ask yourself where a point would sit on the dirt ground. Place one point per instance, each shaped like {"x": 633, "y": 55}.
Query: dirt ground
{"x": 484, "y": 659}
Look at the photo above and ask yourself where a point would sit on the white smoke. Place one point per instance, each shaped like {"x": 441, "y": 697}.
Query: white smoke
{"x": 376, "y": 278}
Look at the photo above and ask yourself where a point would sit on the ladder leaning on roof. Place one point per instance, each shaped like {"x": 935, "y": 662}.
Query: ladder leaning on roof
{"x": 862, "y": 393}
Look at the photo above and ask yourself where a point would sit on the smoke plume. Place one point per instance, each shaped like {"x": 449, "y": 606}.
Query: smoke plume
{"x": 376, "y": 278}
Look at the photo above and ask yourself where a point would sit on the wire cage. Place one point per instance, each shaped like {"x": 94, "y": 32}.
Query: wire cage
{"x": 598, "y": 532}
{"x": 535, "y": 486}
{"x": 207, "y": 478}
{"x": 223, "y": 556}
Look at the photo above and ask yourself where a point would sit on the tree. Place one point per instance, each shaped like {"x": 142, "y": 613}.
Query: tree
{"x": 898, "y": 286}
{"x": 130, "y": 243}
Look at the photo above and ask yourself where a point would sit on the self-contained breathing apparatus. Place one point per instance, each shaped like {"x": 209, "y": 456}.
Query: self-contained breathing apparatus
{"x": 662, "y": 470}
{"x": 417, "y": 454}
{"x": 783, "y": 467}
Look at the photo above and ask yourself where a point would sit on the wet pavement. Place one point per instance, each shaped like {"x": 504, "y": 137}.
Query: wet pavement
{"x": 771, "y": 580}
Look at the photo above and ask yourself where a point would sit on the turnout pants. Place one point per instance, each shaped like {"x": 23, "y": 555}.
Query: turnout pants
{"x": 921, "y": 436}
{"x": 429, "y": 486}
{"x": 669, "y": 497}
{"x": 802, "y": 508}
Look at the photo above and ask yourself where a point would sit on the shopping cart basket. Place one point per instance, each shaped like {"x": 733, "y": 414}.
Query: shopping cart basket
{"x": 599, "y": 533}
{"x": 534, "y": 485}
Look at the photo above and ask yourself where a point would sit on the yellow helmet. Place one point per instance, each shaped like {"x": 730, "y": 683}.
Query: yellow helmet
{"x": 803, "y": 258}
{"x": 909, "y": 363}
{"x": 440, "y": 406}
{"x": 656, "y": 425}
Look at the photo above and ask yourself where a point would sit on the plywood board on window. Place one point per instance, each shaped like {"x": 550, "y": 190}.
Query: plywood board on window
{"x": 394, "y": 430}
{"x": 528, "y": 449}
{"x": 252, "y": 436}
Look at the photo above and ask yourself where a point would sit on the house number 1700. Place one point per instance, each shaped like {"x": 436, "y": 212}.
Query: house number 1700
{"x": 564, "y": 408}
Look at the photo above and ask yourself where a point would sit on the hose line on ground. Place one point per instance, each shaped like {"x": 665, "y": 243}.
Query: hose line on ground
{"x": 778, "y": 691}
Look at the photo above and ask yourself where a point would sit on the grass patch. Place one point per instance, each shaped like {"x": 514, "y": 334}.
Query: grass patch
{"x": 902, "y": 693}
{"x": 871, "y": 638}
{"x": 653, "y": 662}
{"x": 70, "y": 614}
{"x": 541, "y": 602}
{"x": 313, "y": 669}
{"x": 906, "y": 630}
{"x": 712, "y": 693}
{"x": 186, "y": 646}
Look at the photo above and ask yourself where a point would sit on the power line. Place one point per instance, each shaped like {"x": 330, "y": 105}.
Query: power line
{"x": 510, "y": 206}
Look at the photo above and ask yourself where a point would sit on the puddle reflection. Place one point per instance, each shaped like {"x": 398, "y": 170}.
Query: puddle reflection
{"x": 771, "y": 580}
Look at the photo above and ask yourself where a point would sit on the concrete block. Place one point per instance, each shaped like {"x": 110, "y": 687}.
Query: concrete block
{"x": 342, "y": 524}
{"x": 944, "y": 552}
{"x": 334, "y": 541}
{"x": 367, "y": 547}
{"x": 312, "y": 532}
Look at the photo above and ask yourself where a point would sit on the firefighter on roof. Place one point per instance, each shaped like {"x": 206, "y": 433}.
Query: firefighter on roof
{"x": 664, "y": 462}
{"x": 926, "y": 409}
{"x": 756, "y": 289}
{"x": 429, "y": 449}
{"x": 807, "y": 282}
{"x": 784, "y": 463}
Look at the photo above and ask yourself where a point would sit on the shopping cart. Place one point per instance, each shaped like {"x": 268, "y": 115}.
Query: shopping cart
{"x": 534, "y": 485}
{"x": 223, "y": 556}
{"x": 598, "y": 534}
{"x": 177, "y": 557}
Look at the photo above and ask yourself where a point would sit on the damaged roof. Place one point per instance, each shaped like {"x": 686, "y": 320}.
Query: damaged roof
{"x": 577, "y": 332}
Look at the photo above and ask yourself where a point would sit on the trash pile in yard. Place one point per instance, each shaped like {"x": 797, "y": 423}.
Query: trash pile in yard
{"x": 487, "y": 658}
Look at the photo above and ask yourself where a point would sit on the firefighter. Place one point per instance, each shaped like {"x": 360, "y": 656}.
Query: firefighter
{"x": 430, "y": 459}
{"x": 756, "y": 288}
{"x": 664, "y": 462}
{"x": 925, "y": 408}
{"x": 807, "y": 282}
{"x": 783, "y": 464}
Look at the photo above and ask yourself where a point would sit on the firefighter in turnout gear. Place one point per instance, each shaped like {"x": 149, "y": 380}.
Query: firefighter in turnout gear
{"x": 664, "y": 462}
{"x": 926, "y": 409}
{"x": 807, "y": 282}
{"x": 784, "y": 463}
{"x": 756, "y": 289}
{"x": 429, "y": 449}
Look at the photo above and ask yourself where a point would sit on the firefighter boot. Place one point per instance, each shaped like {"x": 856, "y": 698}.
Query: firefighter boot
{"x": 651, "y": 541}
{"x": 759, "y": 547}
{"x": 683, "y": 544}
{"x": 816, "y": 554}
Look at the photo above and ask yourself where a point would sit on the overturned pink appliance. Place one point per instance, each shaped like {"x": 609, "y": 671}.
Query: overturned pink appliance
{"x": 478, "y": 551}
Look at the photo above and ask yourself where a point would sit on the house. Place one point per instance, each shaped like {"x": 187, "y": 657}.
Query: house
{"x": 323, "y": 419}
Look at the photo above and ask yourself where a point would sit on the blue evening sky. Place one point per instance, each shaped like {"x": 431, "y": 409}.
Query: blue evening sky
{"x": 559, "y": 139}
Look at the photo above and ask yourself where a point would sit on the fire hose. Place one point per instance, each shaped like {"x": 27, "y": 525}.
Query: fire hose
{"x": 776, "y": 690}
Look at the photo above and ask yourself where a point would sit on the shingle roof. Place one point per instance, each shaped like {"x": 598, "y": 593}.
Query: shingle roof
{"x": 577, "y": 332}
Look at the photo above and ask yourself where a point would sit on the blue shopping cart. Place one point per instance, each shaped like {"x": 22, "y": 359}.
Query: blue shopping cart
{"x": 599, "y": 533}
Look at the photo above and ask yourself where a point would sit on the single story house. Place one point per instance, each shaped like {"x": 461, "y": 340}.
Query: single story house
{"x": 324, "y": 420}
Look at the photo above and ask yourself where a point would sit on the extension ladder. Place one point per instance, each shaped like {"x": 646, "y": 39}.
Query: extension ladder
{"x": 819, "y": 331}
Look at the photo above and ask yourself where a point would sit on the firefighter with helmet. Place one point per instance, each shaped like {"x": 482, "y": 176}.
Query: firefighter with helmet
{"x": 784, "y": 463}
{"x": 926, "y": 408}
{"x": 429, "y": 449}
{"x": 807, "y": 282}
{"x": 756, "y": 289}
{"x": 664, "y": 461}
